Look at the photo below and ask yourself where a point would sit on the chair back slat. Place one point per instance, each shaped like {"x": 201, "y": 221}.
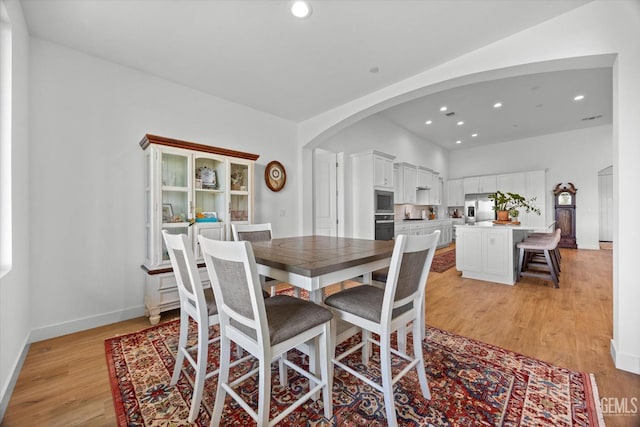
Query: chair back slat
{"x": 408, "y": 271}
{"x": 255, "y": 236}
{"x": 410, "y": 274}
{"x": 233, "y": 286}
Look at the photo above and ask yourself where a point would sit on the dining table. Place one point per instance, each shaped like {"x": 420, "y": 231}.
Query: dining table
{"x": 314, "y": 262}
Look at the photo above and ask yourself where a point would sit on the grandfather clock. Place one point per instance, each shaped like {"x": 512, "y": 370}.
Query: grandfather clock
{"x": 565, "y": 201}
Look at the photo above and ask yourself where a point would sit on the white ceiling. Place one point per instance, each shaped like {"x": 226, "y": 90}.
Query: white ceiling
{"x": 254, "y": 52}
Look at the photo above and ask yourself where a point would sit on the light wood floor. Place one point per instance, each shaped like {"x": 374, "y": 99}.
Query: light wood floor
{"x": 64, "y": 381}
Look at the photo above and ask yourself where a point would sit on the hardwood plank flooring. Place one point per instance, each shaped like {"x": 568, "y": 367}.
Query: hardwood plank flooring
{"x": 64, "y": 381}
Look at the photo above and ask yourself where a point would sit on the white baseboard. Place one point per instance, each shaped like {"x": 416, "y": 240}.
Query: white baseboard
{"x": 624, "y": 361}
{"x": 5, "y": 396}
{"x": 85, "y": 323}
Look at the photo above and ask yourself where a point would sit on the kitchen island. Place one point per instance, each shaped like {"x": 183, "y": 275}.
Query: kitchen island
{"x": 487, "y": 251}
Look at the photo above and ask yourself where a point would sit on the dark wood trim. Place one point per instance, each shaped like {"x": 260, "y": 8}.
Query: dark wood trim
{"x": 170, "y": 142}
{"x": 152, "y": 272}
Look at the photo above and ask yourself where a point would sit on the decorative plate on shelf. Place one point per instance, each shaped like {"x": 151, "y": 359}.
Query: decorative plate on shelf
{"x": 275, "y": 176}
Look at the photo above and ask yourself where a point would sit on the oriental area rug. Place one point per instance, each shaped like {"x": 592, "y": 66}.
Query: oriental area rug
{"x": 443, "y": 261}
{"x": 472, "y": 384}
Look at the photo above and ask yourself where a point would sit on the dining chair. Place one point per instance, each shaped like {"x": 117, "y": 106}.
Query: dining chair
{"x": 266, "y": 328}
{"x": 258, "y": 233}
{"x": 195, "y": 303}
{"x": 199, "y": 305}
{"x": 384, "y": 311}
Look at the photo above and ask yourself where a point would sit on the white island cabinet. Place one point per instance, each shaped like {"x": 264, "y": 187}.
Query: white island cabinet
{"x": 486, "y": 251}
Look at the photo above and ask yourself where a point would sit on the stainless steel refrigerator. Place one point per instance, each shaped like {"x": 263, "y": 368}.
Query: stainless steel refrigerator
{"x": 478, "y": 208}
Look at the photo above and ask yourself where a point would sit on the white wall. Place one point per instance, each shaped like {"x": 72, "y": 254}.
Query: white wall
{"x": 599, "y": 28}
{"x": 87, "y": 195}
{"x": 15, "y": 310}
{"x": 378, "y": 133}
{"x": 575, "y": 156}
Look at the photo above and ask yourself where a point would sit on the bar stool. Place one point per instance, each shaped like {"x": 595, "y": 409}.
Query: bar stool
{"x": 539, "y": 257}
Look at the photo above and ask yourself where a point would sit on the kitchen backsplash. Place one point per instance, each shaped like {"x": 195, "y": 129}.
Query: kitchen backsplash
{"x": 412, "y": 211}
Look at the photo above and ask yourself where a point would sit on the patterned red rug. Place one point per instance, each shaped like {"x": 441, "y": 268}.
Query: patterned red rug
{"x": 443, "y": 261}
{"x": 472, "y": 384}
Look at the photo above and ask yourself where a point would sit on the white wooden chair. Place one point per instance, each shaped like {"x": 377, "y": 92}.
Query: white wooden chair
{"x": 198, "y": 304}
{"x": 266, "y": 328}
{"x": 383, "y": 311}
{"x": 258, "y": 233}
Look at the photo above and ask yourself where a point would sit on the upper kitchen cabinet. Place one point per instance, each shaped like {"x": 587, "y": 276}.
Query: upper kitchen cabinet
{"x": 480, "y": 184}
{"x": 511, "y": 183}
{"x": 455, "y": 192}
{"x": 382, "y": 170}
{"x": 425, "y": 178}
{"x": 405, "y": 181}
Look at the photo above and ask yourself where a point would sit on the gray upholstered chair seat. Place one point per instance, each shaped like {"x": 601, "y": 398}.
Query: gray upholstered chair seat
{"x": 288, "y": 316}
{"x": 364, "y": 301}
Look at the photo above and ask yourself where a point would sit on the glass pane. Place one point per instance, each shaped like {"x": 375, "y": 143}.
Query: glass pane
{"x": 174, "y": 206}
{"x": 239, "y": 177}
{"x": 209, "y": 173}
{"x": 239, "y": 207}
{"x": 174, "y": 170}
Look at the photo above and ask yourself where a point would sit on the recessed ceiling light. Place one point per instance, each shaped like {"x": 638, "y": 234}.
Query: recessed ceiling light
{"x": 473, "y": 135}
{"x": 497, "y": 105}
{"x": 458, "y": 142}
{"x": 428, "y": 122}
{"x": 443, "y": 108}
{"x": 578, "y": 97}
{"x": 301, "y": 9}
{"x": 460, "y": 123}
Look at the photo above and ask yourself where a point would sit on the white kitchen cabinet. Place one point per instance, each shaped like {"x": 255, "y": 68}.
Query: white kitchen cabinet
{"x": 455, "y": 192}
{"x": 402, "y": 228}
{"x": 405, "y": 180}
{"x": 480, "y": 184}
{"x": 382, "y": 170}
{"x": 511, "y": 183}
{"x": 371, "y": 170}
{"x": 425, "y": 177}
{"x": 183, "y": 181}
{"x": 436, "y": 191}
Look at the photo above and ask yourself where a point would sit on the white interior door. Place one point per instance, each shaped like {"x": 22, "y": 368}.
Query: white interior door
{"x": 605, "y": 196}
{"x": 325, "y": 192}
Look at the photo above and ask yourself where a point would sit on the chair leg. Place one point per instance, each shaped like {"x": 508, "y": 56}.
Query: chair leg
{"x": 520, "y": 265}
{"x": 387, "y": 384}
{"x": 366, "y": 350}
{"x": 182, "y": 343}
{"x": 223, "y": 378}
{"x": 417, "y": 354}
{"x": 326, "y": 371}
{"x": 552, "y": 269}
{"x": 282, "y": 369}
{"x": 264, "y": 390}
{"x": 401, "y": 338}
{"x": 201, "y": 371}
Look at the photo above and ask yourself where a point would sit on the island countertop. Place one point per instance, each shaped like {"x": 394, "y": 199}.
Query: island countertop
{"x": 523, "y": 227}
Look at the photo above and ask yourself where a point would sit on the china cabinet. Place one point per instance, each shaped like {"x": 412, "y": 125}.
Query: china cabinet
{"x": 191, "y": 189}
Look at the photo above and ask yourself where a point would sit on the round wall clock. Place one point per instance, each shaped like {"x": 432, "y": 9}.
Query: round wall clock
{"x": 275, "y": 176}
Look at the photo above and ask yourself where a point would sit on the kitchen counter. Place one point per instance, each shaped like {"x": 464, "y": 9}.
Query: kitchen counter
{"x": 426, "y": 226}
{"x": 524, "y": 227}
{"x": 487, "y": 251}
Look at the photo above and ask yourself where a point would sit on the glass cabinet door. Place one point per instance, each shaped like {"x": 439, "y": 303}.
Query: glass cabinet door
{"x": 239, "y": 203}
{"x": 174, "y": 210}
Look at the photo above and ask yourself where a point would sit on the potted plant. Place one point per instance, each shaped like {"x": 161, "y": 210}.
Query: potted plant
{"x": 505, "y": 202}
{"x": 514, "y": 214}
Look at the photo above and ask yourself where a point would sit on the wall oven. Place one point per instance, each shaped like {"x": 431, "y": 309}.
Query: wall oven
{"x": 384, "y": 227}
{"x": 383, "y": 202}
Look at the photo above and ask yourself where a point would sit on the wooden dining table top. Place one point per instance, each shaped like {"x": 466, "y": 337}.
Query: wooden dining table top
{"x": 312, "y": 256}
